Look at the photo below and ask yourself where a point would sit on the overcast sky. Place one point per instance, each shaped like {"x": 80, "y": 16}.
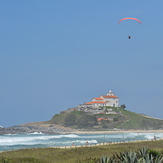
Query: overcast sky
{"x": 55, "y": 55}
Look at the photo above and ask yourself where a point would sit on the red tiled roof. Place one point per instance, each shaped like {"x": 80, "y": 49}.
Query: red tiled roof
{"x": 100, "y": 119}
{"x": 95, "y": 102}
{"x": 88, "y": 103}
{"x": 109, "y": 96}
{"x": 98, "y": 98}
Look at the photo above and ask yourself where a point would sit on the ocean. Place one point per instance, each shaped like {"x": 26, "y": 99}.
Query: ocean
{"x": 37, "y": 140}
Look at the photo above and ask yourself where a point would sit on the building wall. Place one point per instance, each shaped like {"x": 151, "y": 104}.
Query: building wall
{"x": 110, "y": 101}
{"x": 99, "y": 104}
{"x": 113, "y": 102}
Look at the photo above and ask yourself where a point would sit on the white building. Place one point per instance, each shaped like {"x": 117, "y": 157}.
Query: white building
{"x": 104, "y": 100}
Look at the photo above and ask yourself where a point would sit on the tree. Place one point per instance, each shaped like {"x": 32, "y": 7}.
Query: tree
{"x": 123, "y": 106}
{"x": 115, "y": 119}
{"x": 82, "y": 122}
{"x": 86, "y": 121}
{"x": 104, "y": 123}
{"x": 70, "y": 120}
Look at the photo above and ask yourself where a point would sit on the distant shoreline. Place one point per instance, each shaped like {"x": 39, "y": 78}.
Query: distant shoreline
{"x": 41, "y": 127}
{"x": 114, "y": 132}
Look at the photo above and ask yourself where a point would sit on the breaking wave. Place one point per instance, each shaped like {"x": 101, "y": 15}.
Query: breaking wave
{"x": 35, "y": 140}
{"x": 27, "y": 139}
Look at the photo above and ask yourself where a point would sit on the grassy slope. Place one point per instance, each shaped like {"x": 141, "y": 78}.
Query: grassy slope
{"x": 131, "y": 120}
{"x": 137, "y": 121}
{"x": 51, "y": 155}
{"x": 59, "y": 118}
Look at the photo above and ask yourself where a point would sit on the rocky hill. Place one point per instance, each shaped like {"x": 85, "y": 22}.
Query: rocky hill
{"x": 75, "y": 119}
{"x": 108, "y": 119}
{"x": 36, "y": 127}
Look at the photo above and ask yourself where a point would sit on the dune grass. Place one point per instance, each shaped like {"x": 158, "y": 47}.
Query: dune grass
{"x": 74, "y": 155}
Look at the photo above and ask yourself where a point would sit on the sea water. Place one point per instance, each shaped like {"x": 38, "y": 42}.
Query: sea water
{"x": 37, "y": 140}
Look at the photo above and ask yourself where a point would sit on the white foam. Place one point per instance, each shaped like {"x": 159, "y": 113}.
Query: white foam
{"x": 43, "y": 139}
{"x": 84, "y": 141}
{"x": 151, "y": 135}
{"x": 71, "y": 136}
{"x": 36, "y": 133}
{"x": 93, "y": 141}
{"x": 14, "y": 140}
{"x": 11, "y": 134}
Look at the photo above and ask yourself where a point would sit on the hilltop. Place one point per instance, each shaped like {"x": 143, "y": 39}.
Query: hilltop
{"x": 74, "y": 120}
{"x": 108, "y": 118}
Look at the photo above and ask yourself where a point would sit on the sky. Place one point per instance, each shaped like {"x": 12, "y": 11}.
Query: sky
{"x": 55, "y": 55}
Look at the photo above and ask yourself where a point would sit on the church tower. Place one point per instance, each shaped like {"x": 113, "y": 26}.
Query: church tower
{"x": 110, "y": 93}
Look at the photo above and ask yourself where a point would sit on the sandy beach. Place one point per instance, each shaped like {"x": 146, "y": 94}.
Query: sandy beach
{"x": 115, "y": 132}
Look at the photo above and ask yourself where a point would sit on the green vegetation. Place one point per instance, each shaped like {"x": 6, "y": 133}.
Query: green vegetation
{"x": 75, "y": 119}
{"x": 70, "y": 120}
{"x": 123, "y": 106}
{"x": 140, "y": 156}
{"x": 84, "y": 154}
{"x": 60, "y": 118}
{"x": 124, "y": 119}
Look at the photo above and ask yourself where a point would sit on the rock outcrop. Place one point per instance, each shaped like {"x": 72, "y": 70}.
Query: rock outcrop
{"x": 36, "y": 127}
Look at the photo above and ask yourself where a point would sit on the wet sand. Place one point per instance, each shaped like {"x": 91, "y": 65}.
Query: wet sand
{"x": 115, "y": 132}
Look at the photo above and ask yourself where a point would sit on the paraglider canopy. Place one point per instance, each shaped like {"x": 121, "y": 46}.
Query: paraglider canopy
{"x": 129, "y": 18}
